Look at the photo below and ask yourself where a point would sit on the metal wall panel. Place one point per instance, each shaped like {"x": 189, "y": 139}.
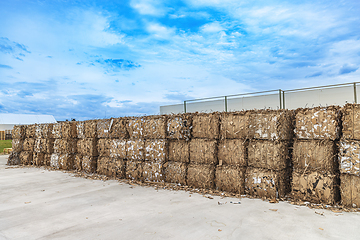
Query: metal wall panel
{"x": 271, "y": 101}
{"x": 206, "y": 106}
{"x": 169, "y": 109}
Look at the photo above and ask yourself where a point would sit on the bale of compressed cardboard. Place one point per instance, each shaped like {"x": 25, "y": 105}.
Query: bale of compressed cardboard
{"x": 103, "y": 128}
{"x": 78, "y": 161}
{"x": 351, "y": 122}
{"x": 47, "y": 159}
{"x": 135, "y": 127}
{"x": 179, "y": 126}
{"x": 349, "y": 157}
{"x": 26, "y": 157}
{"x": 206, "y": 125}
{"x": 203, "y": 151}
{"x": 80, "y": 129}
{"x": 118, "y": 128}
{"x": 156, "y": 150}
{"x": 318, "y": 123}
{"x": 68, "y": 129}
{"x": 43, "y": 130}
{"x": 154, "y": 127}
{"x": 87, "y": 146}
{"x": 44, "y": 145}
{"x": 90, "y": 128}
{"x": 116, "y": 168}
{"x": 230, "y": 179}
{"x": 118, "y": 148}
{"x": 315, "y": 155}
{"x": 135, "y": 149}
{"x": 232, "y": 152}
{"x": 152, "y": 171}
{"x": 350, "y": 190}
{"x": 316, "y": 187}
{"x": 89, "y": 164}
{"x": 18, "y": 132}
{"x": 179, "y": 151}
{"x": 17, "y": 145}
{"x": 201, "y": 176}
{"x": 175, "y": 172}
{"x": 68, "y": 145}
{"x": 30, "y": 131}
{"x": 134, "y": 169}
{"x": 56, "y": 131}
{"x": 267, "y": 154}
{"x": 66, "y": 161}
{"x": 14, "y": 158}
{"x": 54, "y": 160}
{"x": 234, "y": 125}
{"x": 103, "y": 147}
{"x": 102, "y": 165}
{"x": 271, "y": 124}
{"x": 28, "y": 144}
{"x": 38, "y": 159}
{"x": 265, "y": 183}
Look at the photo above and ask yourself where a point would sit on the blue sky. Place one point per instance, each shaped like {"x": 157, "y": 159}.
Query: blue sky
{"x": 94, "y": 59}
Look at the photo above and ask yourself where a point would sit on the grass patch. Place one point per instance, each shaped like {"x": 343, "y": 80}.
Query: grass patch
{"x": 4, "y": 144}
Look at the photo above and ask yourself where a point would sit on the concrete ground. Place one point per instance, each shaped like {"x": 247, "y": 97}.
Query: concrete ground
{"x": 41, "y": 204}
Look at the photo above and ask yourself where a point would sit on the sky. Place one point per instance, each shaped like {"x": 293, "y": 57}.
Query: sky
{"x": 88, "y": 59}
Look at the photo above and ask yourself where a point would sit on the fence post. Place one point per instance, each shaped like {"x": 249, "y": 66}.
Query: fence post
{"x": 225, "y": 103}
{"x": 184, "y": 106}
{"x": 355, "y": 92}
{"x": 283, "y": 99}
{"x": 280, "y": 97}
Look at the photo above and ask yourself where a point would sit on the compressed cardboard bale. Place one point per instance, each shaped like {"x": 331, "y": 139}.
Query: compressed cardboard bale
{"x": 54, "y": 160}
{"x": 315, "y": 155}
{"x": 13, "y": 159}
{"x": 318, "y": 123}
{"x": 350, "y": 190}
{"x": 316, "y": 187}
{"x": 28, "y": 144}
{"x": 66, "y": 161}
{"x": 266, "y": 154}
{"x": 42, "y": 145}
{"x": 156, "y": 150}
{"x": 206, "y": 125}
{"x": 90, "y": 128}
{"x": 152, "y": 171}
{"x": 18, "y": 132}
{"x": 232, "y": 152}
{"x": 30, "y": 131}
{"x": 234, "y": 125}
{"x": 230, "y": 179}
{"x": 103, "y": 127}
{"x": 89, "y": 164}
{"x": 154, "y": 127}
{"x": 26, "y": 157}
{"x": 116, "y": 168}
{"x": 349, "y": 157}
{"x": 179, "y": 151}
{"x": 78, "y": 162}
{"x": 56, "y": 130}
{"x": 135, "y": 149}
{"x": 17, "y": 145}
{"x": 134, "y": 170}
{"x": 43, "y": 130}
{"x": 203, "y": 151}
{"x": 103, "y": 147}
{"x": 351, "y": 122}
{"x": 118, "y": 128}
{"x": 80, "y": 129}
{"x": 175, "y": 172}
{"x": 201, "y": 176}
{"x": 102, "y": 165}
{"x": 135, "y": 127}
{"x": 87, "y": 146}
{"x": 65, "y": 145}
{"x": 271, "y": 124}
{"x": 47, "y": 159}
{"x": 68, "y": 129}
{"x": 266, "y": 183}
{"x": 118, "y": 148}
{"x": 38, "y": 159}
{"x": 179, "y": 126}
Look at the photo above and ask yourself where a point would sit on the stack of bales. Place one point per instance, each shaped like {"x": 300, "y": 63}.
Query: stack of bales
{"x": 112, "y": 135}
{"x": 26, "y": 156}
{"x": 232, "y": 152}
{"x": 86, "y": 156}
{"x": 178, "y": 128}
{"x": 18, "y": 136}
{"x": 349, "y": 156}
{"x": 270, "y": 136}
{"x": 315, "y": 172}
{"x": 43, "y": 145}
{"x": 203, "y": 150}
{"x": 65, "y": 145}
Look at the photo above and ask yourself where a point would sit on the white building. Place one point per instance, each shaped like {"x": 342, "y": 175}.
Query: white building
{"x": 8, "y": 120}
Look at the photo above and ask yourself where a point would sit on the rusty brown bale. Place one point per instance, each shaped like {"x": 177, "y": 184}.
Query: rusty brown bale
{"x": 179, "y": 126}
{"x": 54, "y": 160}
{"x": 203, "y": 151}
{"x": 350, "y": 190}
{"x": 89, "y": 164}
{"x": 135, "y": 127}
{"x": 349, "y": 157}
{"x": 26, "y": 157}
{"x": 232, "y": 152}
{"x": 80, "y": 130}
{"x": 316, "y": 187}
{"x": 103, "y": 147}
{"x": 30, "y": 131}
{"x": 56, "y": 131}
{"x": 87, "y": 146}
{"x": 66, "y": 161}
{"x": 18, "y": 132}
{"x": 118, "y": 148}
{"x": 68, "y": 146}
{"x": 175, "y": 172}
{"x": 206, "y": 125}
{"x": 351, "y": 122}
{"x": 68, "y": 129}
{"x": 266, "y": 183}
{"x": 38, "y": 159}
{"x": 154, "y": 127}
{"x": 201, "y": 176}
{"x": 118, "y": 128}
{"x": 273, "y": 155}
{"x": 152, "y": 171}
{"x": 90, "y": 128}
{"x": 315, "y": 155}
{"x": 103, "y": 127}
{"x": 234, "y": 125}
{"x": 318, "y": 123}
{"x": 135, "y": 149}
{"x": 156, "y": 150}
{"x": 179, "y": 151}
{"x": 230, "y": 179}
{"x": 28, "y": 144}
{"x": 17, "y": 145}
{"x": 134, "y": 170}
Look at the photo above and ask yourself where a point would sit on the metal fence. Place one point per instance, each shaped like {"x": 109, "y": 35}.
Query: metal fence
{"x": 338, "y": 94}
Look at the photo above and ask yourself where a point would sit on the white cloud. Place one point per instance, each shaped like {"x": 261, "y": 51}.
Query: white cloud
{"x": 159, "y": 31}
{"x": 148, "y": 7}
{"x": 212, "y": 27}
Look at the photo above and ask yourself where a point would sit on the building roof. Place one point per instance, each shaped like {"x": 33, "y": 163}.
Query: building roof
{"x": 20, "y": 119}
